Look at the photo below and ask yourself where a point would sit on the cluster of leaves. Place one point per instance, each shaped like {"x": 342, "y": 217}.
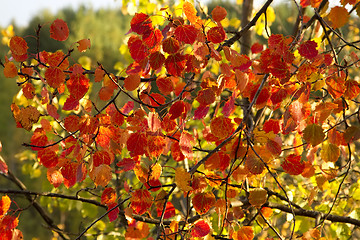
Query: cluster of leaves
{"x": 192, "y": 148}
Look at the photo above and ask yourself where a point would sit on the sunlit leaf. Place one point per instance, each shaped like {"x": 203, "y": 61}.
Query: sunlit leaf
{"x": 141, "y": 201}
{"x": 218, "y": 13}
{"x": 200, "y": 229}
{"x": 59, "y": 30}
{"x": 293, "y": 165}
{"x": 182, "y": 179}
{"x": 202, "y": 202}
{"x": 338, "y": 16}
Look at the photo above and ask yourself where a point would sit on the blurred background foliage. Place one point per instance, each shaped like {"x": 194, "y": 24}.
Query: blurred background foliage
{"x": 107, "y": 30}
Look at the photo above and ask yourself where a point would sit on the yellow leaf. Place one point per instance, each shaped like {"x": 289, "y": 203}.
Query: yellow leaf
{"x": 182, "y": 179}
{"x": 330, "y": 152}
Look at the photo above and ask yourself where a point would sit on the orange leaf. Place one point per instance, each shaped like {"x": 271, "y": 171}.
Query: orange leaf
{"x": 108, "y": 196}
{"x": 206, "y": 97}
{"x": 59, "y": 30}
{"x": 244, "y": 233}
{"x": 54, "y": 77}
{"x": 165, "y": 85}
{"x": 202, "y": 202}
{"x": 101, "y": 175}
{"x": 105, "y": 93}
{"x": 182, "y": 179}
{"x": 156, "y": 145}
{"x": 141, "y": 201}
{"x": 132, "y": 82}
{"x": 221, "y": 127}
{"x": 18, "y": 45}
{"x": 4, "y": 205}
{"x": 71, "y": 123}
{"x": 28, "y": 90}
{"x": 78, "y": 86}
{"x": 190, "y": 12}
{"x": 10, "y": 70}
{"x": 218, "y": 13}
{"x": 54, "y": 177}
{"x": 338, "y": 16}
{"x": 102, "y": 157}
{"x": 138, "y": 49}
{"x": 84, "y": 44}
{"x": 200, "y": 229}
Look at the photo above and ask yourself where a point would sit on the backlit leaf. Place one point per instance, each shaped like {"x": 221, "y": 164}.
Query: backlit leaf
{"x": 141, "y": 201}
{"x": 84, "y": 44}
{"x": 108, "y": 196}
{"x": 101, "y": 175}
{"x": 182, "y": 179}
{"x": 330, "y": 152}
{"x": 186, "y": 144}
{"x": 54, "y": 177}
{"x": 165, "y": 85}
{"x": 54, "y": 77}
{"x": 313, "y": 134}
{"x": 5, "y": 203}
{"x": 293, "y": 165}
{"x": 141, "y": 23}
{"x": 59, "y": 30}
{"x": 202, "y": 202}
{"x": 136, "y": 144}
{"x": 186, "y": 33}
{"x": 28, "y": 90}
{"x": 257, "y": 197}
{"x": 78, "y": 86}
{"x": 221, "y": 127}
{"x": 132, "y": 82}
{"x": 244, "y": 233}
{"x": 18, "y": 45}
{"x": 177, "y": 109}
{"x": 218, "y": 13}
{"x": 170, "y": 45}
{"x": 10, "y": 70}
{"x": 338, "y": 16}
{"x": 308, "y": 49}
{"x": 48, "y": 158}
{"x": 200, "y": 229}
{"x": 156, "y": 60}
{"x": 169, "y": 211}
{"x": 216, "y": 35}
{"x": 206, "y": 97}
{"x": 138, "y": 50}
{"x": 175, "y": 64}
{"x": 190, "y": 12}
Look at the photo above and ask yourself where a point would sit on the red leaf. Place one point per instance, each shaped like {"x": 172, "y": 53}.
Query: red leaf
{"x": 170, "y": 45}
{"x": 272, "y": 125}
{"x": 256, "y": 48}
{"x": 201, "y": 112}
{"x": 200, "y": 229}
{"x": 108, "y": 196}
{"x": 177, "y": 109}
{"x": 165, "y": 85}
{"x": 55, "y": 77}
{"x": 69, "y": 171}
{"x": 59, "y": 30}
{"x": 141, "y": 23}
{"x": 152, "y": 38}
{"x": 206, "y": 97}
{"x": 54, "y": 177}
{"x": 84, "y": 44}
{"x": 127, "y": 164}
{"x": 293, "y": 165}
{"x": 216, "y": 34}
{"x": 221, "y": 127}
{"x": 156, "y": 145}
{"x": 113, "y": 214}
{"x": 308, "y": 49}
{"x": 126, "y": 109}
{"x": 141, "y": 201}
{"x": 136, "y": 144}
{"x": 48, "y": 158}
{"x": 169, "y": 211}
{"x": 78, "y": 86}
{"x": 70, "y": 103}
{"x": 102, "y": 157}
{"x": 52, "y": 111}
{"x": 175, "y": 64}
{"x": 186, "y": 33}
{"x": 3, "y": 167}
{"x": 202, "y": 202}
{"x": 229, "y": 106}
{"x": 138, "y": 50}
{"x": 156, "y": 60}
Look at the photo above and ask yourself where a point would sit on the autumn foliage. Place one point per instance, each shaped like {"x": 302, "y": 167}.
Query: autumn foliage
{"x": 205, "y": 138}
